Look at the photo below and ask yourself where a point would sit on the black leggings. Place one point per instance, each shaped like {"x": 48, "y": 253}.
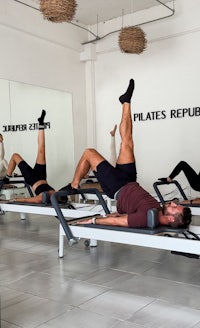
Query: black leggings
{"x": 191, "y": 175}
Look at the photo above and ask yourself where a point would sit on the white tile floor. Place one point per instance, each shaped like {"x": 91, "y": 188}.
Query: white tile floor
{"x": 113, "y": 285}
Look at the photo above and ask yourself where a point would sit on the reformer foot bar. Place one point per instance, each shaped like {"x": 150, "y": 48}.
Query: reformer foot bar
{"x": 154, "y": 236}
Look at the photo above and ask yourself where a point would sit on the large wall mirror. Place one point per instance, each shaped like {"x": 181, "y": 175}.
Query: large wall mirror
{"x": 21, "y": 105}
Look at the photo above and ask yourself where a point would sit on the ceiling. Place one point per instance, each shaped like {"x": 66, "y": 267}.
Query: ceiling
{"x": 89, "y": 12}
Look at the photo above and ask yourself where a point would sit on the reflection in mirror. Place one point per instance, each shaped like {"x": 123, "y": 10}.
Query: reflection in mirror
{"x": 21, "y": 105}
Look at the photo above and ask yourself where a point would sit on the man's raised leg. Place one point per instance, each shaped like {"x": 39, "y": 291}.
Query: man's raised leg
{"x": 126, "y": 154}
{"x": 41, "y": 156}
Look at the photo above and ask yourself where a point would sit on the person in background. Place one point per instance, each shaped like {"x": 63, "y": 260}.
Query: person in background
{"x": 192, "y": 177}
{"x": 113, "y": 152}
{"x": 36, "y": 177}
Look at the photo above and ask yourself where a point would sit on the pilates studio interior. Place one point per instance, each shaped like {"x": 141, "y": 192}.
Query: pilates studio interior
{"x": 74, "y": 59}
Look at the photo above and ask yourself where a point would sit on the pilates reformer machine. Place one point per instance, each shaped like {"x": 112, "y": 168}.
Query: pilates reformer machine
{"x": 178, "y": 241}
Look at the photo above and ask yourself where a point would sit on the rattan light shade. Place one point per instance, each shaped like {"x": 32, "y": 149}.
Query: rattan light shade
{"x": 58, "y": 11}
{"x": 132, "y": 40}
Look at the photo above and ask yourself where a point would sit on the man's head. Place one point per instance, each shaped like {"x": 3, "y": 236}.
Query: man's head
{"x": 175, "y": 215}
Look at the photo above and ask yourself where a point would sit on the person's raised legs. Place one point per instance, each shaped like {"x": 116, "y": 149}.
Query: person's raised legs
{"x": 126, "y": 153}
{"x": 113, "y": 152}
{"x": 41, "y": 156}
{"x": 41, "y": 120}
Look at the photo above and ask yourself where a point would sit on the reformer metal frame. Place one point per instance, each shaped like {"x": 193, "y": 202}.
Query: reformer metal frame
{"x": 195, "y": 208}
{"x": 17, "y": 180}
{"x": 80, "y": 211}
{"x": 67, "y": 212}
{"x": 175, "y": 243}
{"x": 159, "y": 194}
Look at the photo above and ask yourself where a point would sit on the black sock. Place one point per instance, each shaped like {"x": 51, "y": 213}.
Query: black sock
{"x": 164, "y": 180}
{"x": 69, "y": 188}
{"x": 41, "y": 120}
{"x": 6, "y": 179}
{"x": 126, "y": 97}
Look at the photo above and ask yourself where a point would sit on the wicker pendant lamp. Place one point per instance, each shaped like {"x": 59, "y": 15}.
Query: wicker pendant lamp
{"x": 58, "y": 11}
{"x": 132, "y": 40}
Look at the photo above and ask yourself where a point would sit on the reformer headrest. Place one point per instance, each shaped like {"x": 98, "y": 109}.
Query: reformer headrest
{"x": 46, "y": 198}
{"x": 152, "y": 218}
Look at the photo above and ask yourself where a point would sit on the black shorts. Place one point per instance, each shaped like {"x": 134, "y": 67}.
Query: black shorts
{"x": 112, "y": 178}
{"x": 32, "y": 175}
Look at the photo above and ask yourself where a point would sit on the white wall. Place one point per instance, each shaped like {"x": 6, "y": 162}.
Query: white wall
{"x": 167, "y": 77}
{"x": 21, "y": 106}
{"x": 41, "y": 53}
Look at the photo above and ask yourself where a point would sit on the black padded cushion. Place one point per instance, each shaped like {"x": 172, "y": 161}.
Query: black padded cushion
{"x": 152, "y": 218}
{"x": 46, "y": 198}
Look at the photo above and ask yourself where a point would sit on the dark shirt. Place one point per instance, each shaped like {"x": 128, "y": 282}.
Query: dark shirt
{"x": 135, "y": 201}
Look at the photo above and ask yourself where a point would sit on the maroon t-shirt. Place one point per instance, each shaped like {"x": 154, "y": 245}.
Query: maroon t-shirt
{"x": 135, "y": 201}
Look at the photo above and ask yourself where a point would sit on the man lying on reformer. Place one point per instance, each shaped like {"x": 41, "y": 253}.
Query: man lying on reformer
{"x": 119, "y": 182}
{"x": 35, "y": 177}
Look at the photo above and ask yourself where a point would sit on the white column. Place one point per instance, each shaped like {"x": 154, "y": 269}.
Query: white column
{"x": 89, "y": 56}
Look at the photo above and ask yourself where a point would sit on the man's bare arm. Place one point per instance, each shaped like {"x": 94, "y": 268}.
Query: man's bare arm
{"x": 114, "y": 220}
{"x": 195, "y": 201}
